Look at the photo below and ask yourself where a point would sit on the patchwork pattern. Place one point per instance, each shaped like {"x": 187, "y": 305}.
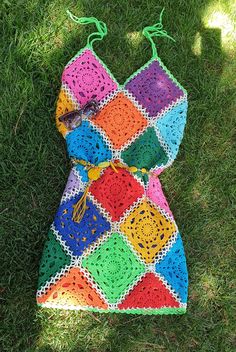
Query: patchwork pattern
{"x": 148, "y": 230}
{"x": 149, "y": 293}
{"x": 154, "y": 89}
{"x": 125, "y": 254}
{"x": 171, "y": 126}
{"x": 146, "y": 151}
{"x": 73, "y": 184}
{"x": 64, "y": 105}
{"x": 78, "y": 236}
{"x": 87, "y": 78}
{"x": 114, "y": 267}
{"x": 73, "y": 289}
{"x": 121, "y": 120}
{"x": 53, "y": 260}
{"x": 87, "y": 144}
{"x": 116, "y": 191}
{"x": 174, "y": 269}
{"x": 154, "y": 192}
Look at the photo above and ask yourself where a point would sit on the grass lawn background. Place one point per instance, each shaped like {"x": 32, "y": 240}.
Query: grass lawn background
{"x": 37, "y": 40}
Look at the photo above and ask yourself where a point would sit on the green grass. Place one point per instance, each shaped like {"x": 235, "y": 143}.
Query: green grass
{"x": 37, "y": 40}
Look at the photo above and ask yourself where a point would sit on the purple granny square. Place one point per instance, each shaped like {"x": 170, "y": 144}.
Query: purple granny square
{"x": 73, "y": 183}
{"x": 154, "y": 89}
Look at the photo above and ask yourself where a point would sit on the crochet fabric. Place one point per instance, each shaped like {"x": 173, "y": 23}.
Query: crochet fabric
{"x": 126, "y": 253}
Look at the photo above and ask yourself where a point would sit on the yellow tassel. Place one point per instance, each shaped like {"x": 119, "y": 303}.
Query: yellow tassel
{"x": 113, "y": 166}
{"x": 94, "y": 172}
{"x": 123, "y": 166}
{"x": 80, "y": 206}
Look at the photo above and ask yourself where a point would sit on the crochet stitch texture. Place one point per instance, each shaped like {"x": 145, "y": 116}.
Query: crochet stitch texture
{"x": 126, "y": 254}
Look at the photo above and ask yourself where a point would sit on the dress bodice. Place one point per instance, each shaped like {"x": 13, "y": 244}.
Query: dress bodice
{"x": 140, "y": 123}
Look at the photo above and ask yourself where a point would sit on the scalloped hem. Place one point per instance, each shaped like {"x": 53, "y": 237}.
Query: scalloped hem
{"x": 144, "y": 311}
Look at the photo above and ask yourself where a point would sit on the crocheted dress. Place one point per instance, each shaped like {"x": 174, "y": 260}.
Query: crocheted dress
{"x": 114, "y": 245}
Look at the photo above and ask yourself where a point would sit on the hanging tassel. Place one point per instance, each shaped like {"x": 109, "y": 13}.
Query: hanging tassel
{"x": 80, "y": 206}
{"x": 113, "y": 167}
{"x": 94, "y": 173}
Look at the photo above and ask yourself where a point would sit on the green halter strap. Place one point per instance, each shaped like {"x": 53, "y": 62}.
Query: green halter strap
{"x": 101, "y": 27}
{"x": 156, "y": 31}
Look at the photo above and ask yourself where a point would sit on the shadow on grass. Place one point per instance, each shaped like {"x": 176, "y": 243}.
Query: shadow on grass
{"x": 38, "y": 170}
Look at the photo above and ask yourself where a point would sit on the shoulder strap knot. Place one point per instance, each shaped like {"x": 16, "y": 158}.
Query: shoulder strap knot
{"x": 156, "y": 31}
{"x": 101, "y": 27}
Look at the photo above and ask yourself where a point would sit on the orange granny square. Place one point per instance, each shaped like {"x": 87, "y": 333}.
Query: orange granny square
{"x": 121, "y": 120}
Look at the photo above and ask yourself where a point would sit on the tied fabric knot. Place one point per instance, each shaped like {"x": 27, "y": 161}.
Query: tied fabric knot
{"x": 94, "y": 173}
{"x": 156, "y": 31}
{"x": 100, "y": 26}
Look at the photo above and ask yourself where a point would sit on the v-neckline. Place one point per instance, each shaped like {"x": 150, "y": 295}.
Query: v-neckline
{"x": 121, "y": 86}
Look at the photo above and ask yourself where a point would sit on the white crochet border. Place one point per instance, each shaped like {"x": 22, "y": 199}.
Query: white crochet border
{"x": 145, "y": 311}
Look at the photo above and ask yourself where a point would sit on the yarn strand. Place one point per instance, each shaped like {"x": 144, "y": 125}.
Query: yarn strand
{"x": 80, "y": 206}
{"x": 156, "y": 31}
{"x": 94, "y": 172}
{"x": 101, "y": 27}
